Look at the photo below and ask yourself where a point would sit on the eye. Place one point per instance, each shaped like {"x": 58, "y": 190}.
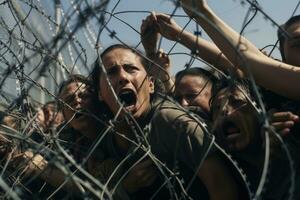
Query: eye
{"x": 191, "y": 96}
{"x": 84, "y": 95}
{"x": 111, "y": 71}
{"x": 69, "y": 99}
{"x": 130, "y": 68}
{"x": 237, "y": 103}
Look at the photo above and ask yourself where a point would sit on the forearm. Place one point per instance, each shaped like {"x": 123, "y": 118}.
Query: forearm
{"x": 206, "y": 50}
{"x": 246, "y": 56}
{"x": 227, "y": 39}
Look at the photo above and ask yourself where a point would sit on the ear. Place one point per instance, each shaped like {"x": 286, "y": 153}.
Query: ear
{"x": 151, "y": 84}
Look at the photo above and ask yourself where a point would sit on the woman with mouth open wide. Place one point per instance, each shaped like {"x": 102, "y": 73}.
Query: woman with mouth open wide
{"x": 155, "y": 141}
{"x": 239, "y": 130}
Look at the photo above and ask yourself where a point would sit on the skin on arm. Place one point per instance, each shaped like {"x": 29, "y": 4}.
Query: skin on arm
{"x": 217, "y": 179}
{"x": 229, "y": 40}
{"x": 161, "y": 66}
{"x": 206, "y": 50}
{"x": 37, "y": 165}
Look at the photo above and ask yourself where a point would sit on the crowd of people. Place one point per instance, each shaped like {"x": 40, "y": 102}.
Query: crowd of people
{"x": 130, "y": 130}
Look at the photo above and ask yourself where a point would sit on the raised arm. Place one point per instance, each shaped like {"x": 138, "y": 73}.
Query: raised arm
{"x": 268, "y": 72}
{"x": 206, "y": 50}
{"x": 161, "y": 66}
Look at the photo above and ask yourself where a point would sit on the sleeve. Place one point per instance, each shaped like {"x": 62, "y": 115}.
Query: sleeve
{"x": 178, "y": 135}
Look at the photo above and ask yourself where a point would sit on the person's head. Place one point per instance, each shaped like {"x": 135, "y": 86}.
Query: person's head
{"x": 79, "y": 94}
{"x": 289, "y": 41}
{"x": 126, "y": 71}
{"x": 235, "y": 118}
{"x": 50, "y": 115}
{"x": 193, "y": 87}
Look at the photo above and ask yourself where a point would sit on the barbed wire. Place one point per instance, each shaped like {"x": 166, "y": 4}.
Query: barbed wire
{"x": 40, "y": 46}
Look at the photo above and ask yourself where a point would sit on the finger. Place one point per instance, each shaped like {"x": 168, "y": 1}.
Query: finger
{"x": 162, "y": 16}
{"x": 163, "y": 22}
{"x": 164, "y": 55}
{"x": 282, "y": 125}
{"x": 284, "y": 116}
{"x": 153, "y": 16}
{"x": 160, "y": 52}
{"x": 285, "y": 132}
{"x": 143, "y": 24}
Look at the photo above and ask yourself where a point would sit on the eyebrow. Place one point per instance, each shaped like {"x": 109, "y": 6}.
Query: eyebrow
{"x": 297, "y": 37}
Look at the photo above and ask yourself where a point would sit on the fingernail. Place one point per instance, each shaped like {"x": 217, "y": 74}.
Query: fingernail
{"x": 286, "y": 131}
{"x": 296, "y": 118}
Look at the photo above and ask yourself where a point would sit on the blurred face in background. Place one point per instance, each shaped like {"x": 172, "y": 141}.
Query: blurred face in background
{"x": 192, "y": 90}
{"x": 80, "y": 98}
{"x": 52, "y": 117}
{"x": 291, "y": 46}
{"x": 235, "y": 118}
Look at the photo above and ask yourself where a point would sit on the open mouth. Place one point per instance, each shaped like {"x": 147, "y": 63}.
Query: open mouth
{"x": 127, "y": 98}
{"x": 229, "y": 128}
{"x": 78, "y": 115}
{"x": 80, "y": 112}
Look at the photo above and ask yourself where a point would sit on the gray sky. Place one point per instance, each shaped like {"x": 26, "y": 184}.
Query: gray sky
{"x": 261, "y": 31}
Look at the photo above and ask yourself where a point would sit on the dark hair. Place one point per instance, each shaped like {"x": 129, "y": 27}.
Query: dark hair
{"x": 196, "y": 71}
{"x": 74, "y": 78}
{"x": 282, "y": 35}
{"x": 54, "y": 103}
{"x": 232, "y": 85}
{"x": 96, "y": 72}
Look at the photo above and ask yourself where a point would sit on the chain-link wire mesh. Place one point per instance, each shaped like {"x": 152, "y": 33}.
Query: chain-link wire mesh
{"x": 42, "y": 43}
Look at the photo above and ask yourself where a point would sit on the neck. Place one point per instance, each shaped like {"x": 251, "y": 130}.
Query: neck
{"x": 125, "y": 128}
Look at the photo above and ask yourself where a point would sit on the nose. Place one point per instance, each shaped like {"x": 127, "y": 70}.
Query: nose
{"x": 77, "y": 99}
{"x": 123, "y": 77}
{"x": 227, "y": 110}
{"x": 184, "y": 102}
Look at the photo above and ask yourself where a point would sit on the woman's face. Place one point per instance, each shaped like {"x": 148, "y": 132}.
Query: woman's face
{"x": 291, "y": 45}
{"x": 235, "y": 119}
{"x": 79, "y": 97}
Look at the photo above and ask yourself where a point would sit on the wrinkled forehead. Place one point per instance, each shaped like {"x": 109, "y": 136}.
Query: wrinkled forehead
{"x": 120, "y": 56}
{"x": 229, "y": 93}
{"x": 191, "y": 82}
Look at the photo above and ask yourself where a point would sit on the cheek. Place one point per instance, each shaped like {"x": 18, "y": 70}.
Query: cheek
{"x": 202, "y": 101}
{"x": 68, "y": 113}
{"x": 103, "y": 90}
